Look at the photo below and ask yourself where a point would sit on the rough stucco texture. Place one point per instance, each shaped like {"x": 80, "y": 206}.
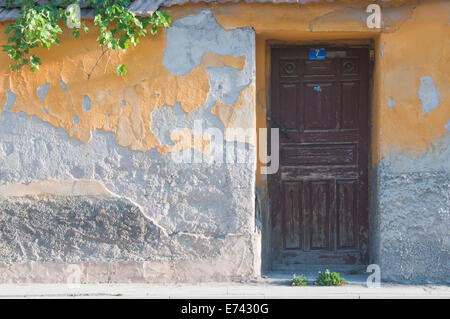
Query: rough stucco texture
{"x": 411, "y": 227}
{"x": 132, "y": 215}
{"x": 191, "y": 222}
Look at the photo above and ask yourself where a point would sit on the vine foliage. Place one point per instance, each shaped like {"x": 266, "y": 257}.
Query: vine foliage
{"x": 39, "y": 25}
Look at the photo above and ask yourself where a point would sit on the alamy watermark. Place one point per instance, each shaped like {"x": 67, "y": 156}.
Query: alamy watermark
{"x": 74, "y": 273}
{"x": 73, "y": 16}
{"x": 374, "y": 19}
{"x": 374, "y": 279}
{"x": 232, "y": 145}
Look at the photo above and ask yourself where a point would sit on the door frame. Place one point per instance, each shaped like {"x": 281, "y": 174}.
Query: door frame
{"x": 366, "y": 43}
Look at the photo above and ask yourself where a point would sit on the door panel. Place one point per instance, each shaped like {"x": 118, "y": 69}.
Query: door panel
{"x": 318, "y": 211}
{"x": 319, "y": 106}
{"x": 346, "y": 214}
{"x": 319, "y": 195}
{"x": 292, "y": 216}
{"x": 349, "y": 105}
{"x": 288, "y": 97}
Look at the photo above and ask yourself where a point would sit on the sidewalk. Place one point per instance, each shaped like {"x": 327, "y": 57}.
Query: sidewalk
{"x": 274, "y": 286}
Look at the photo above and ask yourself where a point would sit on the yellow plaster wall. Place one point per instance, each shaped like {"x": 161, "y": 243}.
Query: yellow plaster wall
{"x": 420, "y": 47}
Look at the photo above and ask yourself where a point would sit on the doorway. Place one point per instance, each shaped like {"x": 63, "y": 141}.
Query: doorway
{"x": 319, "y": 197}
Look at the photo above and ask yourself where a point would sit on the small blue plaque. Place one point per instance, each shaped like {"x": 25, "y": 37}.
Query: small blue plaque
{"x": 317, "y": 54}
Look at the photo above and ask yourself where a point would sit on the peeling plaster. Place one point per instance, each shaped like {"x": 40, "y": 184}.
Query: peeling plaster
{"x": 181, "y": 58}
{"x": 190, "y": 216}
{"x": 87, "y": 104}
{"x": 63, "y": 86}
{"x": 143, "y": 178}
{"x": 219, "y": 58}
{"x": 412, "y": 218}
{"x": 218, "y": 87}
{"x": 391, "y": 102}
{"x": 428, "y": 94}
{"x": 42, "y": 91}
{"x": 79, "y": 179}
{"x": 10, "y": 100}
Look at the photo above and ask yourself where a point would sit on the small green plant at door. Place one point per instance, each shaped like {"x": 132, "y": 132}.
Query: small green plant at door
{"x": 299, "y": 280}
{"x": 328, "y": 278}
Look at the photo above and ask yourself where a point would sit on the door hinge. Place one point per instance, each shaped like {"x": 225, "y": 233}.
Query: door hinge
{"x": 372, "y": 55}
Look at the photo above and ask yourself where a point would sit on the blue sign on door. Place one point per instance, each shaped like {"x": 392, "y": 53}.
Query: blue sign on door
{"x": 317, "y": 54}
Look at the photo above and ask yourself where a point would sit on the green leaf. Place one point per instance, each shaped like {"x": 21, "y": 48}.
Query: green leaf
{"x": 121, "y": 70}
{"x": 38, "y": 25}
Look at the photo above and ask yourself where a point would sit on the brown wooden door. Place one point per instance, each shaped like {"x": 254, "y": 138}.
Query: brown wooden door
{"x": 319, "y": 197}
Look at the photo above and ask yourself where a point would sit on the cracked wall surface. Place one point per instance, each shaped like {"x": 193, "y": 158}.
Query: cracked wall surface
{"x": 409, "y": 116}
{"x": 410, "y": 230}
{"x": 87, "y": 176}
{"x": 78, "y": 137}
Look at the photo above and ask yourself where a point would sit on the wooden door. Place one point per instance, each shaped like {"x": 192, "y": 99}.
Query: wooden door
{"x": 319, "y": 197}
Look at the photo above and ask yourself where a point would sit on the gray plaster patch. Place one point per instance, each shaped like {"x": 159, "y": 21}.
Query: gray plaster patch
{"x": 194, "y": 204}
{"x": 7, "y": 148}
{"x": 64, "y": 86}
{"x": 167, "y": 118}
{"x": 190, "y": 37}
{"x": 415, "y": 218}
{"x": 76, "y": 119}
{"x": 187, "y": 40}
{"x": 227, "y": 83}
{"x": 42, "y": 91}
{"x": 410, "y": 215}
{"x": 74, "y": 229}
{"x": 391, "y": 102}
{"x": 382, "y": 49}
{"x": 87, "y": 105}
{"x": 428, "y": 94}
{"x": 10, "y": 100}
{"x": 447, "y": 126}
{"x": 436, "y": 158}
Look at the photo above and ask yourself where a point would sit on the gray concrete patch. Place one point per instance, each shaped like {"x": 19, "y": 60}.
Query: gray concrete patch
{"x": 42, "y": 91}
{"x": 196, "y": 205}
{"x": 64, "y": 86}
{"x": 10, "y": 100}
{"x": 411, "y": 216}
{"x": 73, "y": 229}
{"x": 87, "y": 104}
{"x": 391, "y": 102}
{"x": 428, "y": 94}
{"x": 190, "y": 37}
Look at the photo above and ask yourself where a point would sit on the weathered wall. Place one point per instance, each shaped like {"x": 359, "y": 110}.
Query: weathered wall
{"x": 412, "y": 218}
{"x": 410, "y": 158}
{"x": 189, "y": 222}
{"x": 87, "y": 175}
{"x": 410, "y": 116}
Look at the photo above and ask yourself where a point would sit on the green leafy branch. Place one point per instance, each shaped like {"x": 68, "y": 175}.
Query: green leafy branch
{"x": 39, "y": 25}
